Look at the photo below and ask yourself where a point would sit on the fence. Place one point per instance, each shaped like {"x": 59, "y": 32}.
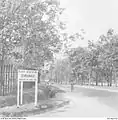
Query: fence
{"x": 7, "y": 79}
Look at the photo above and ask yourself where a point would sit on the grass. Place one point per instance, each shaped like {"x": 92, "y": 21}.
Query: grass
{"x": 28, "y": 96}
{"x": 28, "y": 99}
{"x": 51, "y": 105}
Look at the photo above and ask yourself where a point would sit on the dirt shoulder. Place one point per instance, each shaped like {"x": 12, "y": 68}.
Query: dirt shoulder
{"x": 9, "y": 109}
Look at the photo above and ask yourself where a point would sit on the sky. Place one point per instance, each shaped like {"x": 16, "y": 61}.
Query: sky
{"x": 94, "y": 16}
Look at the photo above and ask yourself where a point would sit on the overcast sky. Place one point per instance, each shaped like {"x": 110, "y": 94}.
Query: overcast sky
{"x": 94, "y": 16}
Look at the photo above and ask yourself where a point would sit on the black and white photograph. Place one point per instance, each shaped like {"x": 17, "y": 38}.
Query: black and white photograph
{"x": 58, "y": 58}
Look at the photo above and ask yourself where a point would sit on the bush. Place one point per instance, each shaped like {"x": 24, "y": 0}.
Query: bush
{"x": 52, "y": 93}
{"x": 49, "y": 91}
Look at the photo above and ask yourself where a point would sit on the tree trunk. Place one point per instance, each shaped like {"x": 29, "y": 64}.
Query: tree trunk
{"x": 102, "y": 83}
{"x": 78, "y": 79}
{"x": 89, "y": 78}
{"x": 96, "y": 83}
{"x": 96, "y": 79}
{"x": 115, "y": 77}
{"x": 110, "y": 82}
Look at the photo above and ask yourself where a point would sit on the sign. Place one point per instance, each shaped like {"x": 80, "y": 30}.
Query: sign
{"x": 26, "y": 76}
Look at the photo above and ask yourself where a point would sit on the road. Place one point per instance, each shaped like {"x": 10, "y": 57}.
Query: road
{"x": 86, "y": 102}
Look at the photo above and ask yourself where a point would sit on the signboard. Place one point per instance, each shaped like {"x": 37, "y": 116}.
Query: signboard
{"x": 26, "y": 76}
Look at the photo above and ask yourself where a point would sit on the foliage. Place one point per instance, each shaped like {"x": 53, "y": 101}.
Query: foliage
{"x": 97, "y": 63}
{"x": 60, "y": 72}
{"x": 29, "y": 31}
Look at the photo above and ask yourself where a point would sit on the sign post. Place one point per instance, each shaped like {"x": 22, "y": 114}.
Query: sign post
{"x": 36, "y": 92}
{"x": 21, "y": 93}
{"x": 26, "y": 76}
{"x": 18, "y": 95}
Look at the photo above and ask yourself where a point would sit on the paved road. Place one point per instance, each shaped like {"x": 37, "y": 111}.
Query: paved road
{"x": 86, "y": 102}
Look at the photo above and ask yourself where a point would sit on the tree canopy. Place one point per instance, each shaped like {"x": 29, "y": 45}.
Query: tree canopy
{"x": 99, "y": 62}
{"x": 29, "y": 31}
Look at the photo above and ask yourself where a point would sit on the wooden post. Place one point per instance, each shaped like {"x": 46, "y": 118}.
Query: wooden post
{"x": 3, "y": 79}
{"x": 5, "y": 84}
{"x": 36, "y": 92}
{"x": 21, "y": 93}
{"x": 12, "y": 77}
{"x": 18, "y": 93}
{"x": 7, "y": 79}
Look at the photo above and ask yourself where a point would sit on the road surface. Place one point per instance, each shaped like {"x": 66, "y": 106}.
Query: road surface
{"x": 86, "y": 102}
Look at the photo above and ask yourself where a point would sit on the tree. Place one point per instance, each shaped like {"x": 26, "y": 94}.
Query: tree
{"x": 109, "y": 54}
{"x": 61, "y": 71}
{"x": 31, "y": 25}
{"x": 98, "y": 61}
{"x": 29, "y": 32}
{"x": 77, "y": 60}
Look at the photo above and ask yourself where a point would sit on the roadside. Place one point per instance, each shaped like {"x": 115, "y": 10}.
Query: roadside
{"x": 86, "y": 102}
{"x": 69, "y": 104}
{"x": 31, "y": 110}
{"x": 106, "y": 88}
{"x": 8, "y": 103}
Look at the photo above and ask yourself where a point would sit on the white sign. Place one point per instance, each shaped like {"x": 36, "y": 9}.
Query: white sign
{"x": 29, "y": 76}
